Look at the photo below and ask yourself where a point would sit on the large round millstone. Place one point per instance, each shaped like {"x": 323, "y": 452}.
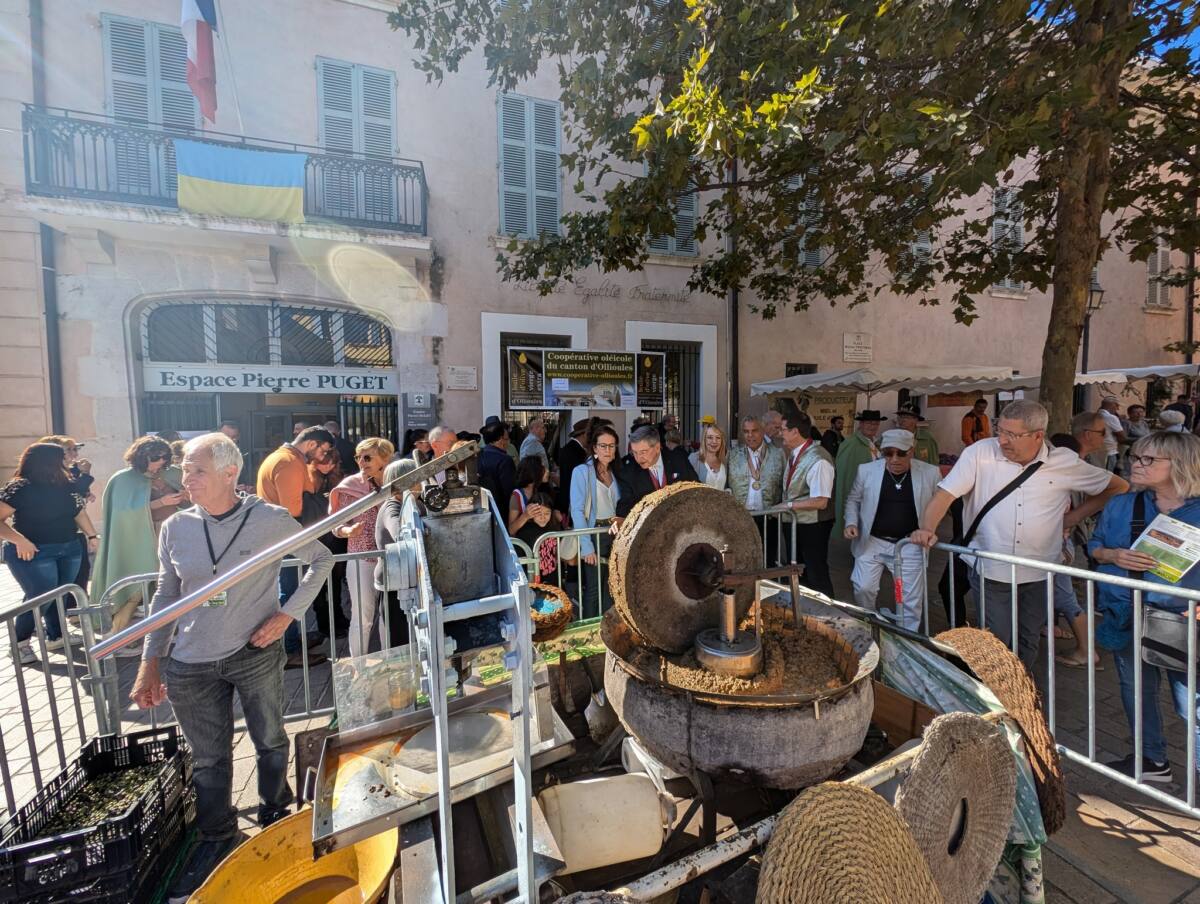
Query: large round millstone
{"x": 664, "y": 554}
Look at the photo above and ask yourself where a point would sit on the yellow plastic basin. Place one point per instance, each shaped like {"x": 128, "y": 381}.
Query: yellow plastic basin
{"x": 276, "y": 867}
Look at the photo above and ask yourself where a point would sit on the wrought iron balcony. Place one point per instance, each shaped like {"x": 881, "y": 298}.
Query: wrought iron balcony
{"x": 69, "y": 154}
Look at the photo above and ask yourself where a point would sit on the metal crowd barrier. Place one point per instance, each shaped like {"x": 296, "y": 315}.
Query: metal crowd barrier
{"x": 80, "y": 698}
{"x": 1091, "y": 579}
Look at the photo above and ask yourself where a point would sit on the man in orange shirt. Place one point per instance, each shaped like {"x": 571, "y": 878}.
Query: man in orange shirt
{"x": 283, "y": 478}
{"x": 975, "y": 423}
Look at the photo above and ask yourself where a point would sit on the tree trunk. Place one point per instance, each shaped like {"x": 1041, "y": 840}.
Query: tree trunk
{"x": 1083, "y": 183}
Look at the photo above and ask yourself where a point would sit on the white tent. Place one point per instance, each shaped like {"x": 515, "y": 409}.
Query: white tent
{"x": 1027, "y": 382}
{"x": 879, "y": 378}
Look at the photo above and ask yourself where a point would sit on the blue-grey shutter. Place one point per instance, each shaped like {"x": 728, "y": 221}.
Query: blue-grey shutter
{"x": 335, "y": 132}
{"x": 513, "y": 129}
{"x": 530, "y": 193}
{"x": 1008, "y": 230}
{"x": 377, "y": 103}
{"x": 177, "y": 106}
{"x": 922, "y": 243}
{"x": 1158, "y": 268}
{"x": 683, "y": 240}
{"x": 810, "y": 215}
{"x": 544, "y": 138}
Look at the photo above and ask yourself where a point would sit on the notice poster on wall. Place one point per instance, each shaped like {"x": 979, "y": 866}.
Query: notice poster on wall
{"x": 824, "y": 406}
{"x": 547, "y": 378}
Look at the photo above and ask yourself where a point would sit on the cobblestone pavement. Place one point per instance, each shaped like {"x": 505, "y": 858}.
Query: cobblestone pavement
{"x": 1118, "y": 845}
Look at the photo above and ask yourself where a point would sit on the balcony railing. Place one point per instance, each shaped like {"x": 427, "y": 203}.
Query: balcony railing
{"x": 69, "y": 154}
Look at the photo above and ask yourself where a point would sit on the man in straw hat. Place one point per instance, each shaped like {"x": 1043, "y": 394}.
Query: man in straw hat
{"x": 858, "y": 449}
{"x": 925, "y": 447}
{"x": 884, "y": 506}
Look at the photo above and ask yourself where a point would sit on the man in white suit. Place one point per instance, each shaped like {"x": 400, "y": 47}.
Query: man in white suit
{"x": 884, "y": 504}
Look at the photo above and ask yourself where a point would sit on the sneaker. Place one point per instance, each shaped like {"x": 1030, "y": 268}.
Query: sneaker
{"x": 1152, "y": 771}
{"x": 55, "y": 644}
{"x": 25, "y": 654}
{"x": 199, "y": 866}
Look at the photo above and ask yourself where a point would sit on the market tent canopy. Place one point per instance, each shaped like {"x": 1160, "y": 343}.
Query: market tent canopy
{"x": 879, "y": 379}
{"x": 1027, "y": 382}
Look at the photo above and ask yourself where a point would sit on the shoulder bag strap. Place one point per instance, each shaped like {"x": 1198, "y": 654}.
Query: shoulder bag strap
{"x": 1136, "y": 525}
{"x": 997, "y": 499}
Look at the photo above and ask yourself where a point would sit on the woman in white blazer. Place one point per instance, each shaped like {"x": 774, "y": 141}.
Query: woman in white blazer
{"x": 709, "y": 460}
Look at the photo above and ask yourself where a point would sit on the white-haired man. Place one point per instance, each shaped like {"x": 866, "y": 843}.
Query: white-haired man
{"x": 233, "y": 642}
{"x": 772, "y": 422}
{"x": 884, "y": 506}
{"x": 1016, "y": 491}
{"x": 441, "y": 441}
{"x": 1114, "y": 431}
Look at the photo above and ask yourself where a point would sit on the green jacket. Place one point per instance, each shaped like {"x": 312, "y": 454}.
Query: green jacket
{"x": 855, "y": 451}
{"x": 926, "y": 448}
{"x": 128, "y": 544}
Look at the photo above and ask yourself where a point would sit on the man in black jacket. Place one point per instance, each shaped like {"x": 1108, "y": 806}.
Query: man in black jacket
{"x": 497, "y": 473}
{"x": 569, "y": 457}
{"x": 657, "y": 467}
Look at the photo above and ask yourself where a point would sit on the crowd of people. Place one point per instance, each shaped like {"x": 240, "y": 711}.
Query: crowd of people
{"x": 190, "y": 513}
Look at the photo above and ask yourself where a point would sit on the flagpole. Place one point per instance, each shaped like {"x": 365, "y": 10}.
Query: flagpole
{"x": 237, "y": 104}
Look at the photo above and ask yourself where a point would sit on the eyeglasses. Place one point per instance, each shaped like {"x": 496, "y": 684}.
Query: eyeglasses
{"x": 895, "y": 453}
{"x": 1147, "y": 460}
{"x": 1009, "y": 435}
{"x": 607, "y": 447}
{"x": 365, "y": 456}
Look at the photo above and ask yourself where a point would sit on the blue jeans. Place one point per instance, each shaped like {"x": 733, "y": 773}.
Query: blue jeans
{"x": 53, "y": 565}
{"x": 1154, "y": 746}
{"x": 1066, "y": 603}
{"x": 289, "y": 580}
{"x": 202, "y": 696}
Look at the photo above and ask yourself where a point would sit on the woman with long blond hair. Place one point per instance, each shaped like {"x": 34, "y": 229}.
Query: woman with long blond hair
{"x": 709, "y": 459}
{"x": 372, "y": 456}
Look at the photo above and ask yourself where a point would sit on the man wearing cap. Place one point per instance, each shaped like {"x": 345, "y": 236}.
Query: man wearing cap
{"x": 925, "y": 447}
{"x": 858, "y": 449}
{"x": 885, "y": 505}
{"x": 807, "y": 488}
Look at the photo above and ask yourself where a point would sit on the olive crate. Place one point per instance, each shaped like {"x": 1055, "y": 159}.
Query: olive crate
{"x": 121, "y": 848}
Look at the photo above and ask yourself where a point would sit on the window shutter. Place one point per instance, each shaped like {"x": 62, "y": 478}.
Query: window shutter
{"x": 177, "y": 107}
{"x": 922, "y": 244}
{"x": 128, "y": 81}
{"x": 547, "y": 205}
{"x": 810, "y": 215}
{"x": 377, "y": 123}
{"x": 1008, "y": 230}
{"x": 514, "y": 165}
{"x": 683, "y": 241}
{"x": 335, "y": 99}
{"x": 1158, "y": 268}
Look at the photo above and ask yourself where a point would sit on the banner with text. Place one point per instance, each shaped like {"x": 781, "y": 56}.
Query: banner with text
{"x": 543, "y": 378}
{"x": 284, "y": 378}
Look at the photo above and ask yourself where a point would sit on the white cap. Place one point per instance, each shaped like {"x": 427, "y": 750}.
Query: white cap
{"x": 896, "y": 439}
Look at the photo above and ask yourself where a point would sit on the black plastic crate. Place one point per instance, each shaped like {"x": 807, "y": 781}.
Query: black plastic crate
{"x": 143, "y": 884}
{"x": 120, "y": 848}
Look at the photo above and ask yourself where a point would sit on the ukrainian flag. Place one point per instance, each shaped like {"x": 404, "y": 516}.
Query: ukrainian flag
{"x": 240, "y": 182}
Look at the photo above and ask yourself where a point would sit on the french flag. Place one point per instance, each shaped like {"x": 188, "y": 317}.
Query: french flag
{"x": 199, "y": 24}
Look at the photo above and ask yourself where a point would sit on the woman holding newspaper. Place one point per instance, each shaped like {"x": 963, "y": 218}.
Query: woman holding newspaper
{"x": 1152, "y": 534}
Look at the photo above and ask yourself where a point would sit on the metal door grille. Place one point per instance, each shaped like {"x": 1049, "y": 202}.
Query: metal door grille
{"x": 362, "y": 417}
{"x": 683, "y": 385}
{"x": 178, "y": 411}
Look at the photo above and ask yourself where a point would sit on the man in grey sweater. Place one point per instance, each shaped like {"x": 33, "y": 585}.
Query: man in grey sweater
{"x": 230, "y": 643}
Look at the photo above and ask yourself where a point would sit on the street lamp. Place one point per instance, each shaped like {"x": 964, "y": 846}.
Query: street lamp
{"x": 1094, "y": 300}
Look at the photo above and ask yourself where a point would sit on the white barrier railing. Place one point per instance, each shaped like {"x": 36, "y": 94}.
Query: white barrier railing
{"x": 1138, "y": 589}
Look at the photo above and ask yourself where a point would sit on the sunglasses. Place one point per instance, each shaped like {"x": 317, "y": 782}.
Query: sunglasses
{"x": 895, "y": 453}
{"x": 366, "y": 456}
{"x": 159, "y": 457}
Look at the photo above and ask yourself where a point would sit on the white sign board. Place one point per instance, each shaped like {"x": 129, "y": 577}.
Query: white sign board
{"x": 250, "y": 378}
{"x": 856, "y": 348}
{"x": 458, "y": 377}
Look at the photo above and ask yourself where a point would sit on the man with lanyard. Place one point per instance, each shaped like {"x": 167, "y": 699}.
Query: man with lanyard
{"x": 1016, "y": 491}
{"x": 884, "y": 506}
{"x": 807, "y": 488}
{"x": 756, "y": 477}
{"x": 925, "y": 447}
{"x": 233, "y": 642}
{"x": 858, "y": 449}
{"x": 657, "y": 467}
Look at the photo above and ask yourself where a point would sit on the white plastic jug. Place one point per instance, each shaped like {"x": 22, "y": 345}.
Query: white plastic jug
{"x": 602, "y": 821}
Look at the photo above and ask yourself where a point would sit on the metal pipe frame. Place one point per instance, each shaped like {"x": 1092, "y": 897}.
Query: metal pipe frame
{"x": 273, "y": 554}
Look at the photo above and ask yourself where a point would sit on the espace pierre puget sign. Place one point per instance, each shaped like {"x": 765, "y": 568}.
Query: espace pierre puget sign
{"x": 233, "y": 378}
